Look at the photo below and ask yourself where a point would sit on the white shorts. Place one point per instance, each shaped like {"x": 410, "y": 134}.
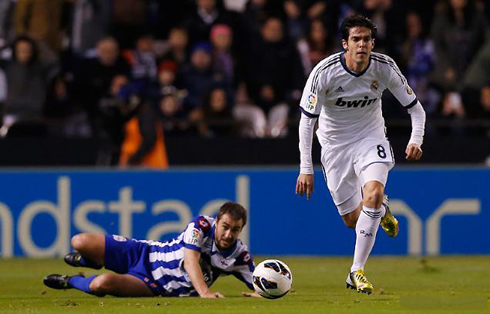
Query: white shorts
{"x": 345, "y": 170}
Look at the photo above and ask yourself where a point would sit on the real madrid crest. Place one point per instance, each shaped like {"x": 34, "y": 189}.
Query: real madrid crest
{"x": 374, "y": 86}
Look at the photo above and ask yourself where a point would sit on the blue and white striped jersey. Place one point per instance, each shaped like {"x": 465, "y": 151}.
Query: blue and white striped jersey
{"x": 166, "y": 259}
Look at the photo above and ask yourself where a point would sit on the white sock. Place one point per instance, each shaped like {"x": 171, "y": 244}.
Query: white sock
{"x": 382, "y": 210}
{"x": 366, "y": 229}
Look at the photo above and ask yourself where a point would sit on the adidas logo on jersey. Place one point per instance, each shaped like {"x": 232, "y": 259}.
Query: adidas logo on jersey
{"x": 355, "y": 103}
{"x": 339, "y": 90}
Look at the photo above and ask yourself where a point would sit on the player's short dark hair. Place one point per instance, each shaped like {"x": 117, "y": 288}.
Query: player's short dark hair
{"x": 357, "y": 21}
{"x": 235, "y": 210}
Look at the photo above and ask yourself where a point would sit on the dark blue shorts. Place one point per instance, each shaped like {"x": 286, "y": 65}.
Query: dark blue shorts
{"x": 127, "y": 256}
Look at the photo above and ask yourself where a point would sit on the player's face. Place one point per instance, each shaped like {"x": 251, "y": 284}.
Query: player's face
{"x": 227, "y": 231}
{"x": 359, "y": 45}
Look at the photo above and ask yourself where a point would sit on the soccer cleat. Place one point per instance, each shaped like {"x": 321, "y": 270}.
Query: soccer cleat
{"x": 358, "y": 281}
{"x": 73, "y": 259}
{"x": 56, "y": 281}
{"x": 389, "y": 223}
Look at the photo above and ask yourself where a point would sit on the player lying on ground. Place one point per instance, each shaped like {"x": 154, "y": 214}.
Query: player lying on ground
{"x": 185, "y": 266}
{"x": 344, "y": 94}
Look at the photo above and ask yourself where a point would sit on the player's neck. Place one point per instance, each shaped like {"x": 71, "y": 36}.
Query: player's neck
{"x": 355, "y": 67}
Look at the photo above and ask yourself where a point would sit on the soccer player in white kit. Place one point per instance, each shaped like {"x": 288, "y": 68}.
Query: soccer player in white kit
{"x": 343, "y": 93}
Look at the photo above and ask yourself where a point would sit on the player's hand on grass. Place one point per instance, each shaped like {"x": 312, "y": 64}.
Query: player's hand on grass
{"x": 251, "y": 294}
{"x": 212, "y": 295}
{"x": 304, "y": 185}
{"x": 413, "y": 151}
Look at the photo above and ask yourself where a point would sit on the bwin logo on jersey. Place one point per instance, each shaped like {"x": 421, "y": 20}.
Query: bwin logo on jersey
{"x": 355, "y": 103}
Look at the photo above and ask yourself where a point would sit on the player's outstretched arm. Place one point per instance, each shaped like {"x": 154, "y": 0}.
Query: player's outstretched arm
{"x": 192, "y": 267}
{"x": 305, "y": 185}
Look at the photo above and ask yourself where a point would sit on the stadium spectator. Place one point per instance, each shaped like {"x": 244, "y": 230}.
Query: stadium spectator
{"x": 316, "y": 46}
{"x": 115, "y": 108}
{"x": 42, "y": 21}
{"x": 223, "y": 63}
{"x": 91, "y": 22}
{"x": 198, "y": 76}
{"x": 387, "y": 15}
{"x": 96, "y": 76}
{"x": 174, "y": 118}
{"x": 274, "y": 75}
{"x": 217, "y": 118}
{"x": 329, "y": 11}
{"x": 27, "y": 83}
{"x": 418, "y": 58}
{"x": 142, "y": 60}
{"x": 206, "y": 14}
{"x": 206, "y": 249}
{"x": 6, "y": 8}
{"x": 143, "y": 141}
{"x": 477, "y": 86}
{"x": 167, "y": 80}
{"x": 177, "y": 47}
{"x": 251, "y": 119}
{"x": 295, "y": 21}
{"x": 458, "y": 32}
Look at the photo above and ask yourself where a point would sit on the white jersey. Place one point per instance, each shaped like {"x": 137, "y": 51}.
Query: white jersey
{"x": 348, "y": 104}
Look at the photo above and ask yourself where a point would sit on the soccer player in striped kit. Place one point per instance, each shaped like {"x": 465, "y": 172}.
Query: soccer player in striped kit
{"x": 343, "y": 93}
{"x": 186, "y": 266}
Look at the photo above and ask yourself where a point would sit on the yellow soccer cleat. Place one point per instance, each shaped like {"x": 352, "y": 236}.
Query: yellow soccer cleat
{"x": 358, "y": 281}
{"x": 389, "y": 223}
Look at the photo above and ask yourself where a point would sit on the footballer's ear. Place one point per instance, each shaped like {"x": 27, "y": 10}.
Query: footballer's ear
{"x": 344, "y": 45}
{"x": 373, "y": 42}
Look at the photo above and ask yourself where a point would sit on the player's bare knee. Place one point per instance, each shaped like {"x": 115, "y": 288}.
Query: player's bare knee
{"x": 78, "y": 241}
{"x": 373, "y": 197}
{"x": 101, "y": 284}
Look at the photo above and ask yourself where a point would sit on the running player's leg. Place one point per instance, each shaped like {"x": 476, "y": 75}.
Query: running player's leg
{"x": 349, "y": 210}
{"x": 373, "y": 178}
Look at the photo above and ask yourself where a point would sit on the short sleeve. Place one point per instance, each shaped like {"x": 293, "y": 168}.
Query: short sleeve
{"x": 195, "y": 232}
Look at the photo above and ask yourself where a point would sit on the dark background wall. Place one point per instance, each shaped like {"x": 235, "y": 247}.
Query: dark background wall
{"x": 228, "y": 151}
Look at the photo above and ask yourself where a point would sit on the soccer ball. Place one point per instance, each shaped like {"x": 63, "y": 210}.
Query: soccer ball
{"x": 272, "y": 279}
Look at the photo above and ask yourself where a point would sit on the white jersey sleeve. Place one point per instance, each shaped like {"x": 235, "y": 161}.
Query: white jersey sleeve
{"x": 396, "y": 82}
{"x": 311, "y": 101}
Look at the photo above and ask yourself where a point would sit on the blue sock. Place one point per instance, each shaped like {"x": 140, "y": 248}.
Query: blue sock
{"x": 81, "y": 283}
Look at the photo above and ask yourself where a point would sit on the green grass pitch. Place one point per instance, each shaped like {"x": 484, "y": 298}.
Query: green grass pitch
{"x": 456, "y": 284}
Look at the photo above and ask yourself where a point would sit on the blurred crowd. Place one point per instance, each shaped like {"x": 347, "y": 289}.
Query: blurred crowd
{"x": 129, "y": 72}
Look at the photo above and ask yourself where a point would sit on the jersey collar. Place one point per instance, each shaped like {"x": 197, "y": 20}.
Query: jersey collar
{"x": 356, "y": 74}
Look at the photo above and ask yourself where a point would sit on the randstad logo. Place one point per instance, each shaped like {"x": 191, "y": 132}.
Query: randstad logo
{"x": 355, "y": 103}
